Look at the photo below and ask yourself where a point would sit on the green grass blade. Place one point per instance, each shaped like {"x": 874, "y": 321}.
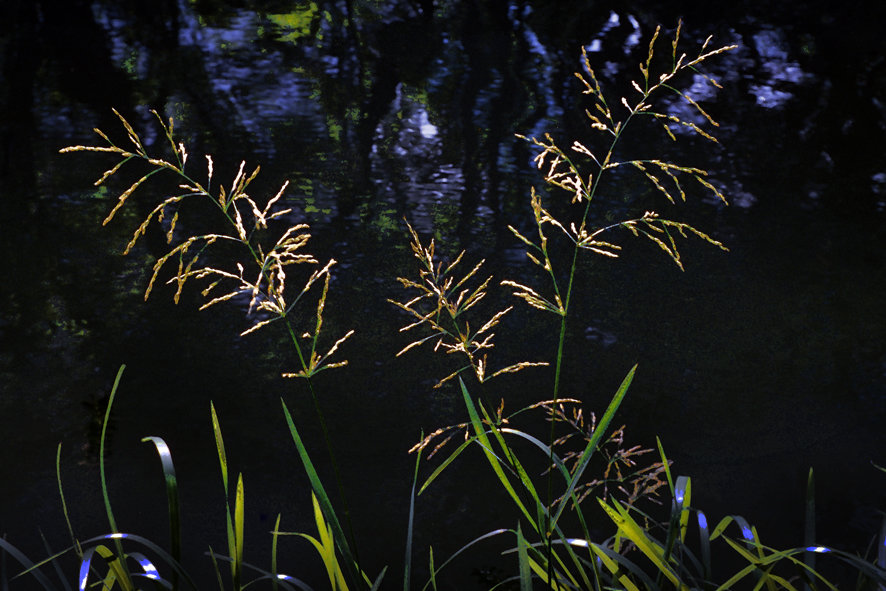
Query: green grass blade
{"x": 148, "y": 544}
{"x": 171, "y": 497}
{"x": 239, "y": 517}
{"x": 561, "y": 466}
{"x": 101, "y": 452}
{"x": 117, "y": 571}
{"x": 433, "y": 578}
{"x": 126, "y": 582}
{"x": 591, "y": 447}
{"x": 341, "y": 541}
{"x": 407, "y": 560}
{"x": 274, "y": 536}
{"x": 730, "y": 583}
{"x": 223, "y": 465}
{"x": 523, "y": 561}
{"x": 485, "y": 444}
{"x": 323, "y": 551}
{"x": 666, "y": 464}
{"x": 547, "y": 577}
{"x": 446, "y": 463}
{"x": 515, "y": 464}
{"x": 541, "y": 509}
{"x": 61, "y": 494}
{"x": 376, "y": 585}
{"x": 218, "y": 575}
{"x": 486, "y": 536}
{"x": 631, "y": 530}
{"x": 220, "y": 446}
{"x": 613, "y": 561}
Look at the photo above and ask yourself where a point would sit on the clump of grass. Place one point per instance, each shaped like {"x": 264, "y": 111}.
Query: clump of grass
{"x": 643, "y": 552}
{"x": 545, "y": 552}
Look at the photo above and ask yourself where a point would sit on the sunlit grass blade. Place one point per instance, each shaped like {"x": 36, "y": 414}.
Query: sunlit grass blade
{"x": 523, "y": 561}
{"x": 547, "y": 576}
{"x": 117, "y": 572}
{"x": 538, "y": 521}
{"x": 631, "y": 530}
{"x": 599, "y": 431}
{"x": 446, "y": 463}
{"x": 239, "y": 533}
{"x": 485, "y": 444}
{"x": 154, "y": 548}
{"x": 101, "y": 464}
{"x": 223, "y": 465}
{"x": 666, "y": 464}
{"x": 274, "y": 536}
{"x": 432, "y": 581}
{"x": 351, "y": 566}
{"x": 544, "y": 511}
{"x": 683, "y": 503}
{"x": 616, "y": 564}
{"x": 514, "y": 462}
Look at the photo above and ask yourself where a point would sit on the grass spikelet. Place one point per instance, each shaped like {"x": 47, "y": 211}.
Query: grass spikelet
{"x": 441, "y": 306}
{"x": 125, "y": 195}
{"x": 133, "y": 136}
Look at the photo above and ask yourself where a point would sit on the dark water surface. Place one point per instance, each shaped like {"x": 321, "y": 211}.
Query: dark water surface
{"x": 755, "y": 365}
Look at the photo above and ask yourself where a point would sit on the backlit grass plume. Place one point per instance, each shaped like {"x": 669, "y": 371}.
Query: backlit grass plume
{"x": 260, "y": 278}
{"x": 619, "y": 471}
{"x": 441, "y": 306}
{"x": 566, "y": 168}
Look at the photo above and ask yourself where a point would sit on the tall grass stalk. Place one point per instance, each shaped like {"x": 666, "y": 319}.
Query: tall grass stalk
{"x": 566, "y": 173}
{"x": 248, "y": 225}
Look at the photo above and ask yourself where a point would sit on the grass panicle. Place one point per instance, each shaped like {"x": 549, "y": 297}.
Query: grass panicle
{"x": 272, "y": 261}
{"x": 441, "y": 307}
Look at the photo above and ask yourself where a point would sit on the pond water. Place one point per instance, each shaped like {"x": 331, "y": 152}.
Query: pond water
{"x": 754, "y": 365}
